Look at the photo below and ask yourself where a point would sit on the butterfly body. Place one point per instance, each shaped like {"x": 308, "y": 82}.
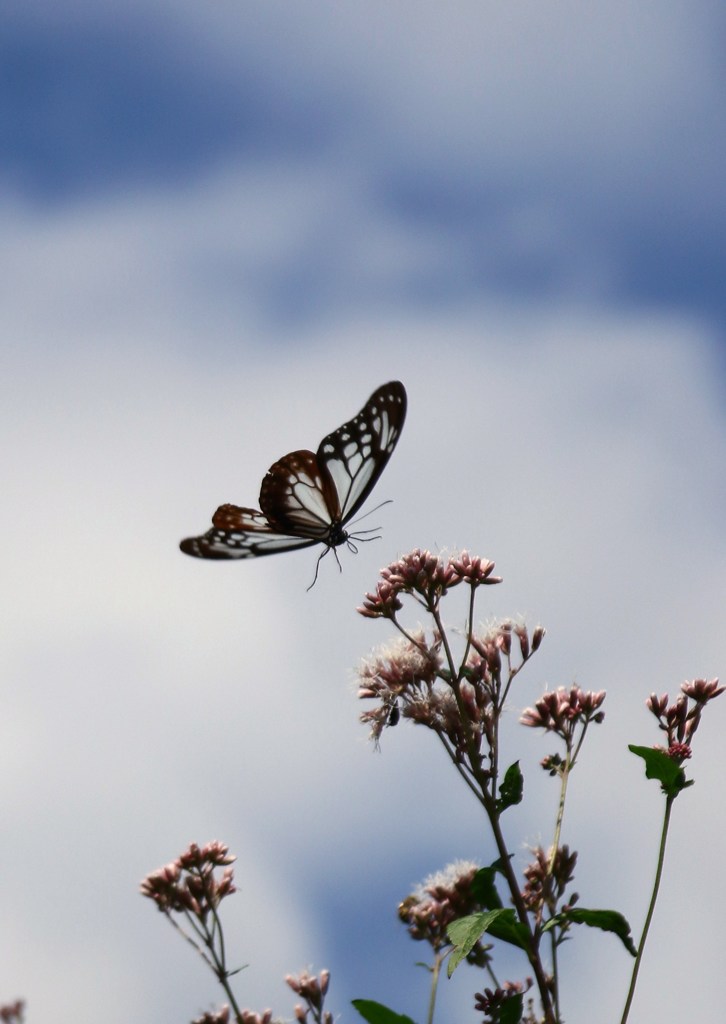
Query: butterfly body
{"x": 308, "y": 497}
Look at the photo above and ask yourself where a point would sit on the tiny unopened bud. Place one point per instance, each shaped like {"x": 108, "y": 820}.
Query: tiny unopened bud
{"x": 523, "y": 641}
{"x": 504, "y": 639}
{"x": 657, "y": 704}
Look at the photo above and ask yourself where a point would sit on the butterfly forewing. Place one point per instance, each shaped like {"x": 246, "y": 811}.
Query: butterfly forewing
{"x": 356, "y": 454}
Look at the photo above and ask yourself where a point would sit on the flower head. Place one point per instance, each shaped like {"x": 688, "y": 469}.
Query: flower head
{"x": 221, "y": 1016}
{"x": 701, "y": 691}
{"x": 397, "y": 676}
{"x": 250, "y": 1017}
{"x": 313, "y": 989}
{"x": 420, "y": 572}
{"x": 474, "y": 571}
{"x": 188, "y": 884}
{"x": 560, "y": 710}
{"x": 494, "y": 1002}
{"x": 439, "y": 900}
{"x": 383, "y": 604}
{"x": 680, "y": 719}
{"x": 546, "y": 885}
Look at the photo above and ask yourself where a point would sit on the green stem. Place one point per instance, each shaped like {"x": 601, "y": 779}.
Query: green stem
{"x": 472, "y": 751}
{"x": 555, "y": 980}
{"x": 651, "y": 907}
{"x": 412, "y": 640}
{"x": 223, "y": 975}
{"x": 188, "y": 938}
{"x": 488, "y": 783}
{"x": 445, "y": 642}
{"x": 564, "y": 777}
{"x": 470, "y": 626}
{"x": 435, "y": 971}
{"x": 487, "y": 797}
{"x": 532, "y": 950}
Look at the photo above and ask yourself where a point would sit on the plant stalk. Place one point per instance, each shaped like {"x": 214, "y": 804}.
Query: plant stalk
{"x": 651, "y": 908}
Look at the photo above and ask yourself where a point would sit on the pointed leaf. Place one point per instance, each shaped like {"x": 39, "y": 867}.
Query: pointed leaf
{"x": 484, "y": 890}
{"x": 465, "y": 933}
{"x": 508, "y": 929}
{"x": 377, "y": 1013}
{"x": 606, "y": 920}
{"x": 512, "y": 787}
{"x": 511, "y": 1011}
{"x": 662, "y": 768}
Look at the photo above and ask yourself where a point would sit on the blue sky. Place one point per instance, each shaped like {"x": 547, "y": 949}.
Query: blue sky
{"x": 225, "y": 226}
{"x": 594, "y": 141}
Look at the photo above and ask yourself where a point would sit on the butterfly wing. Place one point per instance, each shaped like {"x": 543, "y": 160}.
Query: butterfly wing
{"x": 355, "y": 455}
{"x": 298, "y": 498}
{"x": 305, "y": 497}
{"x": 241, "y": 533}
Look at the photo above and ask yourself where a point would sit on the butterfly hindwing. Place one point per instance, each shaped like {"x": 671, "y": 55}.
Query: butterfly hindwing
{"x": 355, "y": 455}
{"x": 241, "y": 533}
{"x": 298, "y": 498}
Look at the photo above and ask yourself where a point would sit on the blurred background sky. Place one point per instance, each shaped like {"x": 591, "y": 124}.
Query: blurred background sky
{"x": 223, "y": 226}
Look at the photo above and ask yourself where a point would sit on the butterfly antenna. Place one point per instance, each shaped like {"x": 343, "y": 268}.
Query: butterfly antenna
{"x": 365, "y": 515}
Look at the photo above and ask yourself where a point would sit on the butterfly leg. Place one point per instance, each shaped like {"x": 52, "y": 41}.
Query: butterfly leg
{"x": 321, "y": 556}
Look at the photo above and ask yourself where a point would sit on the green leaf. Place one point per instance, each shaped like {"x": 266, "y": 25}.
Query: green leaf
{"x": 483, "y": 888}
{"x": 377, "y": 1013}
{"x": 511, "y": 1011}
{"x": 466, "y": 932}
{"x": 662, "y": 768}
{"x": 606, "y": 920}
{"x": 512, "y": 788}
{"x": 508, "y": 929}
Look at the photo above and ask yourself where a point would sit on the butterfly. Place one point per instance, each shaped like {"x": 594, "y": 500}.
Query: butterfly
{"x": 308, "y": 498}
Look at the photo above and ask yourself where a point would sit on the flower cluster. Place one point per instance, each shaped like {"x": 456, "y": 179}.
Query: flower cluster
{"x": 561, "y": 711}
{"x": 404, "y": 669}
{"x": 680, "y": 720}
{"x": 414, "y": 677}
{"x": 547, "y": 877}
{"x": 188, "y": 884}
{"x": 220, "y": 1016}
{"x": 189, "y": 888}
{"x": 439, "y": 900}
{"x": 497, "y": 643}
{"x": 495, "y": 1002}
{"x": 426, "y": 577}
{"x": 313, "y": 989}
